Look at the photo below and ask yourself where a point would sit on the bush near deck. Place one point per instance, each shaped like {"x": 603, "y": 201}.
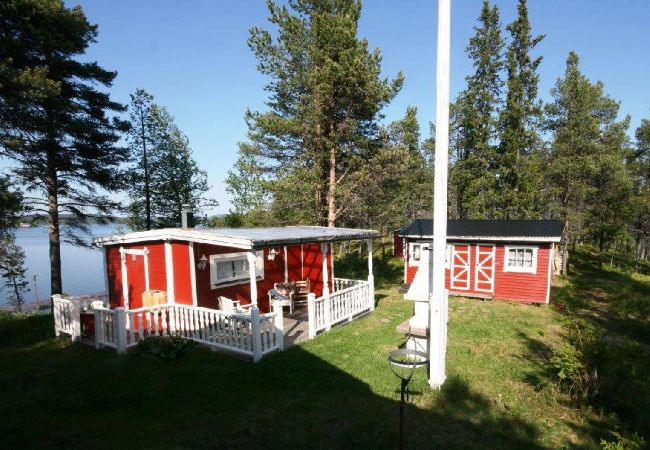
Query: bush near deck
{"x": 337, "y": 390}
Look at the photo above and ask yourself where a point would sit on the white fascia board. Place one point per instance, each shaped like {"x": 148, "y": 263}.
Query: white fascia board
{"x": 176, "y": 235}
{"x": 491, "y": 239}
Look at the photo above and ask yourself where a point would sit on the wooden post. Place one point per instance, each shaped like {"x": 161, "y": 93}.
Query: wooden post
{"x": 252, "y": 274}
{"x": 120, "y": 330}
{"x": 311, "y": 314}
{"x": 255, "y": 331}
{"x": 279, "y": 325}
{"x": 371, "y": 278}
{"x": 326, "y": 289}
{"x": 286, "y": 265}
{"x": 76, "y": 319}
{"x": 437, "y": 303}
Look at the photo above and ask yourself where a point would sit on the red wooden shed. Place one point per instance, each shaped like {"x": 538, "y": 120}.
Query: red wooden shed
{"x": 496, "y": 259}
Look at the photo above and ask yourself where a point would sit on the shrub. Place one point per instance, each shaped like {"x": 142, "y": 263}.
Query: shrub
{"x": 163, "y": 348}
{"x": 632, "y": 442}
{"x": 24, "y": 328}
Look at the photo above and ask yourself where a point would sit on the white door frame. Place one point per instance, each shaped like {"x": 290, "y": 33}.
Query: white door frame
{"x": 479, "y": 267}
{"x": 125, "y": 279}
{"x": 464, "y": 268}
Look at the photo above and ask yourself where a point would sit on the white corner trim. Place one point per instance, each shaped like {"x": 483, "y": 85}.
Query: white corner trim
{"x": 286, "y": 265}
{"x": 531, "y": 270}
{"x": 169, "y": 272}
{"x": 190, "y": 246}
{"x": 125, "y": 280}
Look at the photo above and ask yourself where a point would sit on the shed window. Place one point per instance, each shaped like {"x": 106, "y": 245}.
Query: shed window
{"x": 415, "y": 250}
{"x": 520, "y": 259}
{"x": 232, "y": 268}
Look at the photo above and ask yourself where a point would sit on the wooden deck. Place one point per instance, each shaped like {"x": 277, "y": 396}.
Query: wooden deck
{"x": 296, "y": 327}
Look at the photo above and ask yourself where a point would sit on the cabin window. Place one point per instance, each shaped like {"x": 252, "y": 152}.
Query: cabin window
{"x": 415, "y": 251}
{"x": 520, "y": 259}
{"x": 232, "y": 268}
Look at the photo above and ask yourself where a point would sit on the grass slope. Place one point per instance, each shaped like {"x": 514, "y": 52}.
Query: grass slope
{"x": 334, "y": 391}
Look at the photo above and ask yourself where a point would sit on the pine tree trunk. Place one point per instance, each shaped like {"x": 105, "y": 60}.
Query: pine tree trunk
{"x": 331, "y": 200}
{"x": 18, "y": 297}
{"x": 56, "y": 283}
{"x": 565, "y": 248}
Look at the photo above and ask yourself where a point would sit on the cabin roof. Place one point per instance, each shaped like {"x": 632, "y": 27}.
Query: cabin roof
{"x": 481, "y": 230}
{"x": 242, "y": 237}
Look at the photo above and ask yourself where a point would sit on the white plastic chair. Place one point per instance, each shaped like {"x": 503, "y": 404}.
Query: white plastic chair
{"x": 231, "y": 306}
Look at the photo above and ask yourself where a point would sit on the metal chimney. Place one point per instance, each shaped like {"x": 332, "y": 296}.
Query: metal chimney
{"x": 187, "y": 216}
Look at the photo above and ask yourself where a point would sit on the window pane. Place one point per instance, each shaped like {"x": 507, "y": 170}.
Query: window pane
{"x": 416, "y": 252}
{"x": 512, "y": 257}
{"x": 224, "y": 270}
{"x": 239, "y": 268}
{"x": 528, "y": 258}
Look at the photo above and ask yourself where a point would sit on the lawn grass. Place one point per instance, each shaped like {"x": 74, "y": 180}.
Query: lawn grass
{"x": 333, "y": 391}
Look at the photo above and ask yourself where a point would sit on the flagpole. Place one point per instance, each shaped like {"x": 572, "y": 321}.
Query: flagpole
{"x": 438, "y": 300}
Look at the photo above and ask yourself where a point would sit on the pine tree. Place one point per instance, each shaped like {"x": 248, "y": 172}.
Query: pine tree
{"x": 11, "y": 205}
{"x": 59, "y": 133}
{"x": 326, "y": 95}
{"x": 245, "y": 182}
{"x": 518, "y": 190}
{"x": 141, "y": 143}
{"x": 475, "y": 120}
{"x": 12, "y": 270}
{"x": 641, "y": 184}
{"x": 579, "y": 118}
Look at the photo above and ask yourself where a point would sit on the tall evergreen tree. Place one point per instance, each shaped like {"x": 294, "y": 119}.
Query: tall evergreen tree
{"x": 641, "y": 179}
{"x": 476, "y": 119}
{"x": 579, "y": 118}
{"x": 60, "y": 134}
{"x": 12, "y": 270}
{"x": 326, "y": 95}
{"x": 518, "y": 190}
{"x": 245, "y": 182}
{"x": 174, "y": 178}
{"x": 141, "y": 143}
{"x": 11, "y": 205}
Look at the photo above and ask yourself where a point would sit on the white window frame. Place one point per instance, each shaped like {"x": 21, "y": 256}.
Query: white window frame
{"x": 506, "y": 259}
{"x": 412, "y": 245}
{"x": 217, "y": 284}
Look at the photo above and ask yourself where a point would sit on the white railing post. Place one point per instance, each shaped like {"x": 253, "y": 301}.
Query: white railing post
{"x": 56, "y": 312}
{"x": 120, "y": 330}
{"x": 75, "y": 312}
{"x": 311, "y": 314}
{"x": 255, "y": 330}
{"x": 279, "y": 325}
{"x": 326, "y": 288}
{"x": 371, "y": 278}
{"x": 99, "y": 326}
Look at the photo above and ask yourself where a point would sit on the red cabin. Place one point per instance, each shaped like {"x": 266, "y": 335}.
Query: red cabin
{"x": 194, "y": 266}
{"x": 495, "y": 259}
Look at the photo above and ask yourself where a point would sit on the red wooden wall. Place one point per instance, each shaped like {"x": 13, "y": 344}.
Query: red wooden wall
{"x": 398, "y": 244}
{"x": 525, "y": 287}
{"x": 305, "y": 263}
{"x": 136, "y": 273}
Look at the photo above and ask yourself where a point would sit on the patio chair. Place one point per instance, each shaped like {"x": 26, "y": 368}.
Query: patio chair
{"x": 303, "y": 288}
{"x": 229, "y": 305}
{"x": 280, "y": 299}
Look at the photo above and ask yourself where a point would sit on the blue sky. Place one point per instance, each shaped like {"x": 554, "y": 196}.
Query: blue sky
{"x": 193, "y": 57}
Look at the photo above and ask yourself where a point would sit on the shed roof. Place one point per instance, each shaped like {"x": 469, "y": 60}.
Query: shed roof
{"x": 242, "y": 237}
{"x": 502, "y": 230}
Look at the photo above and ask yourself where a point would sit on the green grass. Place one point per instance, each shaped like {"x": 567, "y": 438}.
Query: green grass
{"x": 333, "y": 391}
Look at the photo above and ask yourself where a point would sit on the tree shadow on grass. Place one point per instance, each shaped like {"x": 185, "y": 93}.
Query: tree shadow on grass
{"x": 293, "y": 399}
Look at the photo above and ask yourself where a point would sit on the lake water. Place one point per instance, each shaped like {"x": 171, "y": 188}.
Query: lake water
{"x": 83, "y": 271}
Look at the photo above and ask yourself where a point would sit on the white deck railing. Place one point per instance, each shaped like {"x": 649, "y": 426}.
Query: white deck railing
{"x": 251, "y": 334}
{"x": 67, "y": 312}
{"x": 341, "y": 305}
